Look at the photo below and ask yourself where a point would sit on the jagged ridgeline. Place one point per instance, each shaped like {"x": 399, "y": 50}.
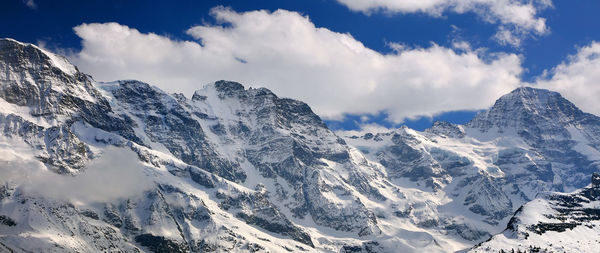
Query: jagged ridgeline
{"x": 88, "y": 166}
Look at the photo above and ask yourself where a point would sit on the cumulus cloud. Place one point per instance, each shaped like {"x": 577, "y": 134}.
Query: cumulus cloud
{"x": 285, "y": 52}
{"x": 516, "y": 18}
{"x": 577, "y": 78}
{"x": 117, "y": 174}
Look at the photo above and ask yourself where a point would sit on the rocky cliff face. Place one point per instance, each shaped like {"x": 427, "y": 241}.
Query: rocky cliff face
{"x": 43, "y": 95}
{"x": 228, "y": 141}
{"x": 237, "y": 169}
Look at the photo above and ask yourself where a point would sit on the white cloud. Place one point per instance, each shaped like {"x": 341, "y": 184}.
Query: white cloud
{"x": 30, "y": 3}
{"x": 578, "y": 78}
{"x": 520, "y": 18}
{"x": 507, "y": 37}
{"x": 284, "y": 51}
{"x": 117, "y": 174}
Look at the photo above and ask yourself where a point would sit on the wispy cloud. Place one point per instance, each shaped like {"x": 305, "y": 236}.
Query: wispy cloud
{"x": 30, "y": 3}
{"x": 516, "y": 19}
{"x": 115, "y": 175}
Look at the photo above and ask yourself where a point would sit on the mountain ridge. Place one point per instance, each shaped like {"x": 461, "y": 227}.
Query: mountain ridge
{"x": 236, "y": 169}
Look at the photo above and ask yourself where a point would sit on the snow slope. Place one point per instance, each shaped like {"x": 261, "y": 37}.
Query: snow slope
{"x": 554, "y": 222}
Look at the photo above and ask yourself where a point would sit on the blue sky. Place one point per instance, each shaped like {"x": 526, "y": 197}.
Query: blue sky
{"x": 569, "y": 27}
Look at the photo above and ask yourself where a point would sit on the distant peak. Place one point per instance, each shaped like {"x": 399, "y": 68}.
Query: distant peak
{"x": 226, "y": 86}
{"x": 527, "y": 107}
{"x": 447, "y": 129}
{"x": 533, "y": 99}
{"x": 229, "y": 89}
{"x": 526, "y": 91}
{"x": 442, "y": 123}
{"x": 596, "y": 180}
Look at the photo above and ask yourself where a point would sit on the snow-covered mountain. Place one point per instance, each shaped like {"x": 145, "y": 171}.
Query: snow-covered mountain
{"x": 124, "y": 166}
{"x": 554, "y": 222}
{"x": 530, "y": 141}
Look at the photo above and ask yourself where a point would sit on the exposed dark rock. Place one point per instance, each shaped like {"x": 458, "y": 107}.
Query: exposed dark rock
{"x": 159, "y": 244}
{"x": 595, "y": 180}
{"x": 256, "y": 209}
{"x": 444, "y": 128}
{"x": 7, "y": 221}
{"x": 366, "y": 247}
{"x": 172, "y": 125}
{"x": 90, "y": 214}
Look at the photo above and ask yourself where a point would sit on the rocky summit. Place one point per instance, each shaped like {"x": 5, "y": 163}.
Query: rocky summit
{"x": 236, "y": 169}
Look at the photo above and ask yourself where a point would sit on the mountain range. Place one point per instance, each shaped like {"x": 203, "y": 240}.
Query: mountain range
{"x": 123, "y": 166}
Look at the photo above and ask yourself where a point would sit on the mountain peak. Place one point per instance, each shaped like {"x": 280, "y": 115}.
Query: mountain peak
{"x": 528, "y": 106}
{"x": 530, "y": 95}
{"x": 15, "y": 53}
{"x": 595, "y": 180}
{"x": 225, "y": 86}
{"x": 41, "y": 80}
{"x": 530, "y": 90}
{"x": 447, "y": 129}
